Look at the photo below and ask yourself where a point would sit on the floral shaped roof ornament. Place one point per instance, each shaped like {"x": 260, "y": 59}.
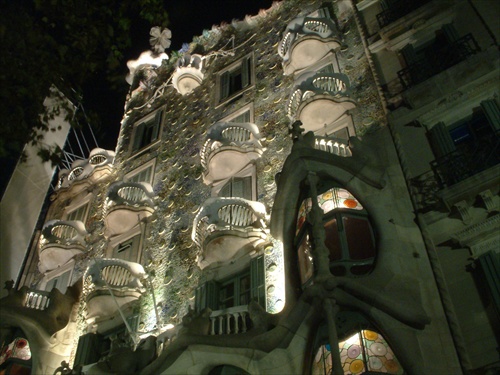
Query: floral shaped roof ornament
{"x": 159, "y": 39}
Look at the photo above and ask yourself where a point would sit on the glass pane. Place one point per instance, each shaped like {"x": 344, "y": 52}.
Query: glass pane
{"x": 359, "y": 238}
{"x": 244, "y": 290}
{"x": 351, "y": 355}
{"x": 322, "y": 363}
{"x": 332, "y": 240}
{"x": 226, "y": 295}
{"x": 78, "y": 214}
{"x": 306, "y": 266}
{"x": 380, "y": 356}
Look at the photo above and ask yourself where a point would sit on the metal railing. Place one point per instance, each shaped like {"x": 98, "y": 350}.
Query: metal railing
{"x": 229, "y": 321}
{"x": 397, "y": 10}
{"x": 63, "y": 233}
{"x": 438, "y": 60}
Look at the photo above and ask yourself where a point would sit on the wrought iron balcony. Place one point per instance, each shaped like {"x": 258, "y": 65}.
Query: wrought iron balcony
{"x": 307, "y": 40}
{"x": 112, "y": 284}
{"x": 320, "y": 99}
{"x": 228, "y": 228}
{"x": 229, "y": 147}
{"x": 438, "y": 60}
{"x": 335, "y": 146}
{"x": 397, "y": 10}
{"x": 127, "y": 204}
{"x": 459, "y": 165}
{"x": 187, "y": 75}
{"x": 60, "y": 241}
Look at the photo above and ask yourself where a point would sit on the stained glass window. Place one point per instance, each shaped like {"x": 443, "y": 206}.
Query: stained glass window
{"x": 19, "y": 348}
{"x": 328, "y": 201}
{"x": 364, "y": 351}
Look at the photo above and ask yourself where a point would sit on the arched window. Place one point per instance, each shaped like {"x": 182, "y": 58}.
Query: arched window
{"x": 348, "y": 232}
{"x": 364, "y": 352}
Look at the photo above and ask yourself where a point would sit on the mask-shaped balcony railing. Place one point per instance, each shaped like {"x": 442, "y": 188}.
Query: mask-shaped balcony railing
{"x": 335, "y": 146}
{"x": 236, "y": 224}
{"x": 92, "y": 169}
{"x": 60, "y": 241}
{"x": 230, "y": 147}
{"x": 307, "y": 40}
{"x": 126, "y": 205}
{"x": 111, "y": 284}
{"x": 320, "y": 99}
{"x": 187, "y": 75}
{"x": 398, "y": 10}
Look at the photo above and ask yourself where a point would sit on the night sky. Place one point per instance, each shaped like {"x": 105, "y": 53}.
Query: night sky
{"x": 187, "y": 18}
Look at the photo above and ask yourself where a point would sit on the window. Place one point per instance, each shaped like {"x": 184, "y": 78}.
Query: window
{"x": 468, "y": 146}
{"x": 237, "y": 290}
{"x": 60, "y": 282}
{"x": 235, "y": 78}
{"x": 142, "y": 174}
{"x": 240, "y": 187}
{"x": 147, "y": 132}
{"x": 348, "y": 235}
{"x": 365, "y": 352}
{"x": 245, "y": 114}
{"x": 78, "y": 214}
{"x": 128, "y": 250}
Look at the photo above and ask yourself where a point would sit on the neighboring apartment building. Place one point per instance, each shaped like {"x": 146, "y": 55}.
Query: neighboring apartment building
{"x": 322, "y": 175}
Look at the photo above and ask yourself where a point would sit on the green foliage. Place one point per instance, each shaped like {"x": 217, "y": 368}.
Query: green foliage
{"x": 65, "y": 43}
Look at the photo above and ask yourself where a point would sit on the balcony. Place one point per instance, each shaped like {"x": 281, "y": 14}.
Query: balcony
{"x": 230, "y": 147}
{"x": 226, "y": 229}
{"x": 60, "y": 241}
{"x": 398, "y": 10}
{"x": 90, "y": 170}
{"x": 187, "y": 75}
{"x": 112, "y": 285}
{"x": 320, "y": 99}
{"x": 335, "y": 146}
{"x": 306, "y": 41}
{"x": 232, "y": 320}
{"x": 127, "y": 204}
{"x": 37, "y": 299}
{"x": 437, "y": 60}
{"x": 460, "y": 165}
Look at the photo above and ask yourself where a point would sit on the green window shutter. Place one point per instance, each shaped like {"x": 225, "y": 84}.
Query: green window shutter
{"x": 89, "y": 349}
{"x": 450, "y": 33}
{"x": 490, "y": 264}
{"x": 207, "y": 295}
{"x": 409, "y": 54}
{"x": 245, "y": 72}
{"x": 257, "y": 278}
{"x": 138, "y": 135}
{"x": 224, "y": 85}
{"x": 156, "y": 126}
{"x": 492, "y": 113}
{"x": 440, "y": 140}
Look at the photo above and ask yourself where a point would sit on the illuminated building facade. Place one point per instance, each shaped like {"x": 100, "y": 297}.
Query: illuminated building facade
{"x": 322, "y": 175}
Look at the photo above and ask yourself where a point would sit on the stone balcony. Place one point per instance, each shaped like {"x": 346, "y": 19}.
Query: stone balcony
{"x": 112, "y": 285}
{"x": 229, "y": 147}
{"x": 84, "y": 171}
{"x": 232, "y": 320}
{"x": 187, "y": 75}
{"x": 335, "y": 146}
{"x": 60, "y": 241}
{"x": 306, "y": 41}
{"x": 226, "y": 229}
{"x": 319, "y": 100}
{"x": 127, "y": 204}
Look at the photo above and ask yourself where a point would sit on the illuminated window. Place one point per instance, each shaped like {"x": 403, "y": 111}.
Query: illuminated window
{"x": 128, "y": 250}
{"x": 142, "y": 175}
{"x": 362, "y": 353}
{"x": 235, "y": 78}
{"x": 240, "y": 187}
{"x": 78, "y": 214}
{"x": 348, "y": 235}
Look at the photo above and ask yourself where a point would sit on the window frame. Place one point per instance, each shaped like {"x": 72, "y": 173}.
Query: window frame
{"x": 238, "y": 65}
{"x": 129, "y": 177}
{"x": 155, "y": 118}
{"x": 248, "y": 171}
{"x": 67, "y": 268}
{"x": 129, "y": 236}
{"x": 247, "y": 108}
{"x": 76, "y": 205}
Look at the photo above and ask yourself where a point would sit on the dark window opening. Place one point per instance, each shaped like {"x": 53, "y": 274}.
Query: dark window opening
{"x": 234, "y": 80}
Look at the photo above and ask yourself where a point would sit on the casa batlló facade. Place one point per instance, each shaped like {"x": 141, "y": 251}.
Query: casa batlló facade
{"x": 311, "y": 190}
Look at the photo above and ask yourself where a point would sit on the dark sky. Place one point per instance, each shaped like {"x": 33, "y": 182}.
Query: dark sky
{"x": 187, "y": 18}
